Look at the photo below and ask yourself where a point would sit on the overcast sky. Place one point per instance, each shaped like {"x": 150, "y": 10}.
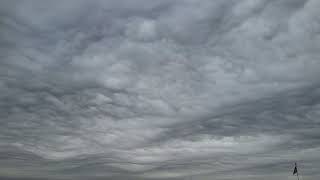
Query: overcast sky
{"x": 159, "y": 89}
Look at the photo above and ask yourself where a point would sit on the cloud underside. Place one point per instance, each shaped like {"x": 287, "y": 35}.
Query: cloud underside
{"x": 159, "y": 89}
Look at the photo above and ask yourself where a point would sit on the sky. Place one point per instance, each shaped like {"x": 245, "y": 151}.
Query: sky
{"x": 165, "y": 90}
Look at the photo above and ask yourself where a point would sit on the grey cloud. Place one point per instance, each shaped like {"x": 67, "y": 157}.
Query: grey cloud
{"x": 164, "y": 89}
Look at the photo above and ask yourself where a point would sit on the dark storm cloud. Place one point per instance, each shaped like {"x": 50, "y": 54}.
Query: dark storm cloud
{"x": 159, "y": 89}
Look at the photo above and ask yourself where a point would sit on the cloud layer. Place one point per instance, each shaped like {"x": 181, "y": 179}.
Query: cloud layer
{"x": 159, "y": 89}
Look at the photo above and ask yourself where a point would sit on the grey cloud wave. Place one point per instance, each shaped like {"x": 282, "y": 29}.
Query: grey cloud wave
{"x": 159, "y": 89}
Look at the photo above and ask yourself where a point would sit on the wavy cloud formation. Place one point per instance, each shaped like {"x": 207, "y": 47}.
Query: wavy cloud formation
{"x": 169, "y": 89}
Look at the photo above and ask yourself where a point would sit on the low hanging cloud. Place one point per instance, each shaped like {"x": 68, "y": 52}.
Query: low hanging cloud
{"x": 159, "y": 89}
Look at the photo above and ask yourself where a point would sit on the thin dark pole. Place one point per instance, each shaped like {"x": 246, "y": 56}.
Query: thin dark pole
{"x": 297, "y": 171}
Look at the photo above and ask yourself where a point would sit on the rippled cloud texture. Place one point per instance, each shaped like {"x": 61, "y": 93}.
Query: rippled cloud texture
{"x": 142, "y": 89}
